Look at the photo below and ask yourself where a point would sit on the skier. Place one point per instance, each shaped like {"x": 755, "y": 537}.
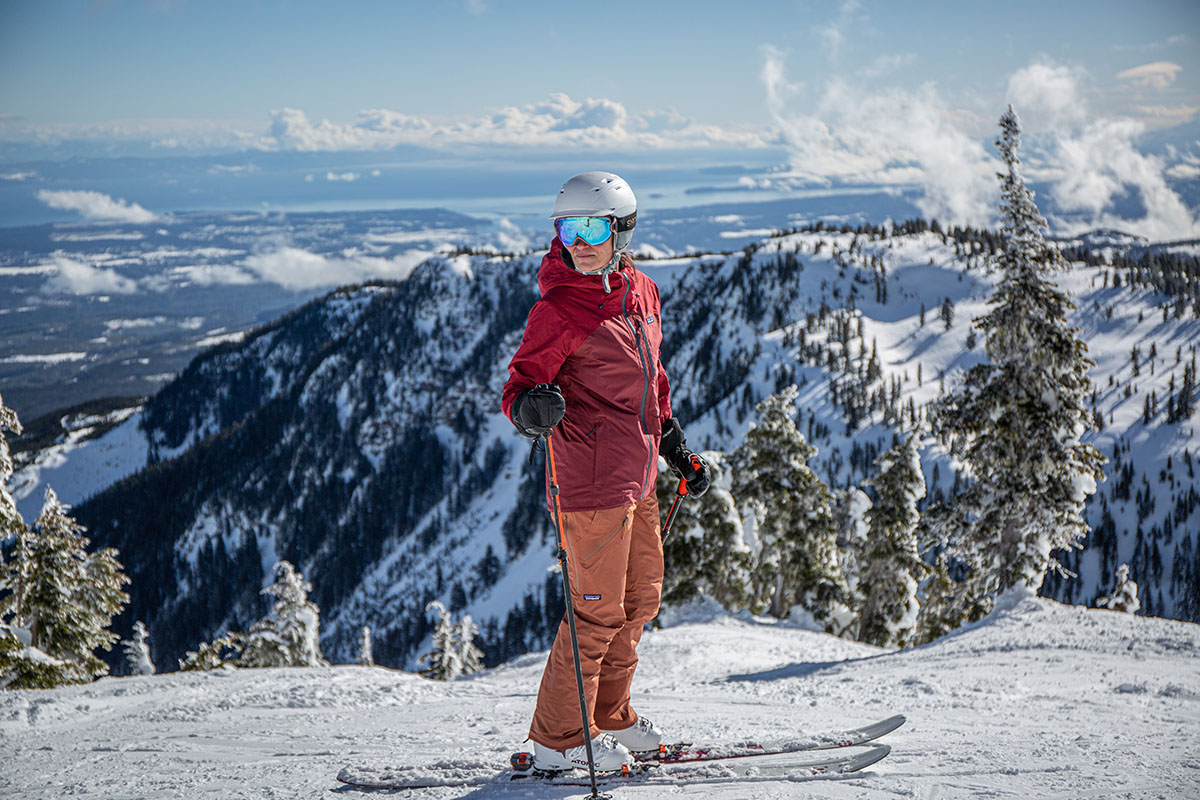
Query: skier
{"x": 588, "y": 370}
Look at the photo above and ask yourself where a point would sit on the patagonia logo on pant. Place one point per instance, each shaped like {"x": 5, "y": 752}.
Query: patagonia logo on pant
{"x": 591, "y": 597}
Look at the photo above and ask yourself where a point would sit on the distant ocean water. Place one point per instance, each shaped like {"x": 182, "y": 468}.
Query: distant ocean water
{"x": 275, "y": 182}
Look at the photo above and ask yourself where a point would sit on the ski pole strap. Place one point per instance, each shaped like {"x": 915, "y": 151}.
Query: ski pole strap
{"x": 553, "y": 489}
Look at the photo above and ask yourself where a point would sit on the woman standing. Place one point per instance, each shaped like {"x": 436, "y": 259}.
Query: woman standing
{"x": 588, "y": 368}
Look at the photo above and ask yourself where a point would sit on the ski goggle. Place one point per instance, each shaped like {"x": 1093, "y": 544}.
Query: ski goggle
{"x": 593, "y": 230}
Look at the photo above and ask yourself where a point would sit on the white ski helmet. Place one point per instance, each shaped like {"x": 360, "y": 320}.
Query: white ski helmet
{"x": 599, "y": 194}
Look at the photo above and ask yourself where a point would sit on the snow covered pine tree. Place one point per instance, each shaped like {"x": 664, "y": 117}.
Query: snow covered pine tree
{"x": 1016, "y": 422}
{"x": 469, "y": 656}
{"x": 137, "y": 651}
{"x": 891, "y": 567}
{"x": 704, "y": 550}
{"x": 366, "y": 656}
{"x": 22, "y": 666}
{"x": 60, "y": 603}
{"x": 1125, "y": 594}
{"x": 453, "y": 652}
{"x": 289, "y": 635}
{"x": 791, "y": 524}
{"x": 442, "y": 661}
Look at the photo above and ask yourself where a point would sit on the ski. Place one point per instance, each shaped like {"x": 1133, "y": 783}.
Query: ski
{"x": 685, "y": 752}
{"x": 776, "y": 766}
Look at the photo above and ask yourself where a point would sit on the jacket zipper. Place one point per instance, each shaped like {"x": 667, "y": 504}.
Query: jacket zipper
{"x": 643, "y": 358}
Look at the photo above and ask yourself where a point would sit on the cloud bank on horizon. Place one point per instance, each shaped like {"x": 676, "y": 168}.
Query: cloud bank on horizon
{"x": 862, "y": 126}
{"x": 856, "y": 132}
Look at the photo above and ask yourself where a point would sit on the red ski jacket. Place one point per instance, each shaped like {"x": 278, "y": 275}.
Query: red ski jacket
{"x": 602, "y": 351}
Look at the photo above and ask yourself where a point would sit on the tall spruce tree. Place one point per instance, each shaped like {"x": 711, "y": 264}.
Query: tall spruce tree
{"x": 289, "y": 635}
{"x": 788, "y": 510}
{"x": 62, "y": 598}
{"x": 1016, "y": 421}
{"x": 704, "y": 551}
{"x": 891, "y": 568}
{"x": 22, "y": 666}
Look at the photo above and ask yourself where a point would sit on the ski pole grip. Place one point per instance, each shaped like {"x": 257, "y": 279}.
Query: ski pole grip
{"x": 697, "y": 464}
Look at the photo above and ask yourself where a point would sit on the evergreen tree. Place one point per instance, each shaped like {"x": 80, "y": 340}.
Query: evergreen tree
{"x": 289, "y": 635}
{"x": 850, "y": 507}
{"x": 470, "y": 657}
{"x": 11, "y": 524}
{"x": 1016, "y": 422}
{"x": 940, "y": 609}
{"x": 1125, "y": 594}
{"x": 61, "y": 597}
{"x": 366, "y": 657}
{"x": 223, "y": 652}
{"x": 891, "y": 567}
{"x": 791, "y": 530}
{"x": 22, "y": 666}
{"x": 704, "y": 551}
{"x": 137, "y": 651}
{"x": 443, "y": 661}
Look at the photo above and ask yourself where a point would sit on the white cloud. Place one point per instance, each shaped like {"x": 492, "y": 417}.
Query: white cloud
{"x": 1101, "y": 162}
{"x": 833, "y": 34}
{"x": 1093, "y": 162}
{"x": 881, "y": 136}
{"x": 1158, "y": 75}
{"x": 557, "y": 121}
{"x": 233, "y": 169}
{"x": 344, "y": 177}
{"x": 858, "y": 132}
{"x": 295, "y": 268}
{"x": 76, "y": 277}
{"x": 18, "y": 176}
{"x": 1169, "y": 115}
{"x": 95, "y": 205}
{"x": 1048, "y": 95}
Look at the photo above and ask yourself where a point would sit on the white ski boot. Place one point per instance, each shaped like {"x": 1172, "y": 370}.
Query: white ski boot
{"x": 609, "y": 755}
{"x": 639, "y": 737}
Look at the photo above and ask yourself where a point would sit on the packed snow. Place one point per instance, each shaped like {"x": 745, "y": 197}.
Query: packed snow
{"x": 1040, "y": 700}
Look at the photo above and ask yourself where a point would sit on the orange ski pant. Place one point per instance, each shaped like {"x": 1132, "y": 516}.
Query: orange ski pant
{"x": 616, "y": 567}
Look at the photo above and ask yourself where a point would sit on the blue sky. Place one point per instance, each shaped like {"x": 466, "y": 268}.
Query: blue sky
{"x": 864, "y": 93}
{"x": 71, "y": 62}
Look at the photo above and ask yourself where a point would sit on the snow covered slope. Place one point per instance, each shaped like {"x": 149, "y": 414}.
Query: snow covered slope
{"x": 360, "y": 436}
{"x": 1039, "y": 700}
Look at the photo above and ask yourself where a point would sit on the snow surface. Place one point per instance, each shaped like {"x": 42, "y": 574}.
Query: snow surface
{"x": 1040, "y": 700}
{"x": 78, "y": 467}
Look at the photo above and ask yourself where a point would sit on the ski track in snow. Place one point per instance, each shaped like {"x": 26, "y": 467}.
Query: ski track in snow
{"x": 1040, "y": 700}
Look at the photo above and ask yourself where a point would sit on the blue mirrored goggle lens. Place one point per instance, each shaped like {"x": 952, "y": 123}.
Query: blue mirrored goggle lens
{"x": 593, "y": 230}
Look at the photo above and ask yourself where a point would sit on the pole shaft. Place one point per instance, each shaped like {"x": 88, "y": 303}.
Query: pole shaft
{"x": 566, "y": 573}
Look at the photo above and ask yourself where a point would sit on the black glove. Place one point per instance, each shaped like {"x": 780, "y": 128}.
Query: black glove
{"x": 537, "y": 410}
{"x": 683, "y": 462}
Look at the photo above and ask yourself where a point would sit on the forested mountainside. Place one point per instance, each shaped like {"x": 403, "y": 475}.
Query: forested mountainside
{"x": 360, "y": 437}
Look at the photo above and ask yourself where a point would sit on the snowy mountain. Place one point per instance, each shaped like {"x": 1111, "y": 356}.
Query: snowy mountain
{"x": 359, "y": 437}
{"x": 1039, "y": 700}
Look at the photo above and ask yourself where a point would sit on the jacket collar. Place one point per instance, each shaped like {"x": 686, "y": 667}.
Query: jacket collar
{"x": 558, "y": 270}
